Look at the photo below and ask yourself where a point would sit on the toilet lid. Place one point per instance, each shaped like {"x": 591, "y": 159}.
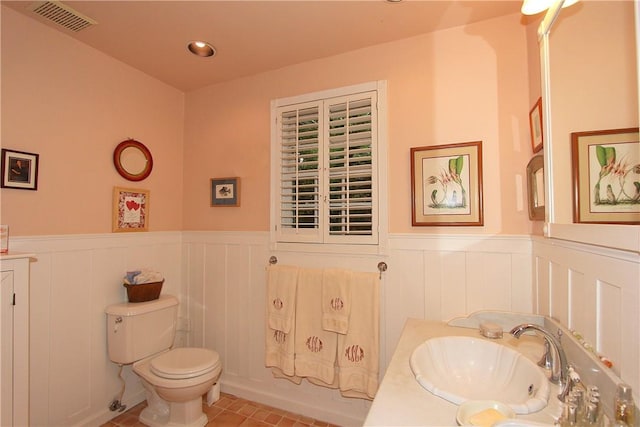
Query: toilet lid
{"x": 185, "y": 363}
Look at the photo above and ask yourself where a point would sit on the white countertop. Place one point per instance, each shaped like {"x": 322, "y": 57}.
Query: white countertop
{"x": 15, "y": 255}
{"x": 401, "y": 401}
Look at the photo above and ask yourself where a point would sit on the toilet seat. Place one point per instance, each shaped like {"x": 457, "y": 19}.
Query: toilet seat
{"x": 181, "y": 363}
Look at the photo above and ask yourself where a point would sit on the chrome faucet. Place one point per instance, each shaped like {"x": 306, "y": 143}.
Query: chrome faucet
{"x": 554, "y": 353}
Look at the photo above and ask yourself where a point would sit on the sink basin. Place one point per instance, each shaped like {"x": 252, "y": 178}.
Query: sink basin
{"x": 460, "y": 368}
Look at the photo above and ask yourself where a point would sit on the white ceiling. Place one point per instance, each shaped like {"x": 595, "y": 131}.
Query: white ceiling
{"x": 256, "y": 36}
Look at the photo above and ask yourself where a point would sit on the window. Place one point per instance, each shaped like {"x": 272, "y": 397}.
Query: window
{"x": 325, "y": 157}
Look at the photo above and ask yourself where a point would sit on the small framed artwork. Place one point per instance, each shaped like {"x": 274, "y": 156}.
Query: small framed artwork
{"x": 446, "y": 185}
{"x": 535, "y": 126}
{"x": 535, "y": 188}
{"x": 130, "y": 209}
{"x": 19, "y": 170}
{"x": 225, "y": 191}
{"x": 606, "y": 176}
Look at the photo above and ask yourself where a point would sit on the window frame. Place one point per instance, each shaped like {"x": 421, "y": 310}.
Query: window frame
{"x": 350, "y": 243}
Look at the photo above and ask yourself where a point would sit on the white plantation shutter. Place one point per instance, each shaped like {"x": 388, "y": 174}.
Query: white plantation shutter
{"x": 300, "y": 167}
{"x": 325, "y": 160}
{"x": 350, "y": 166}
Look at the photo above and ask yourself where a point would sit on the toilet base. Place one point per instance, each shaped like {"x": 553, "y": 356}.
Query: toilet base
{"x": 189, "y": 414}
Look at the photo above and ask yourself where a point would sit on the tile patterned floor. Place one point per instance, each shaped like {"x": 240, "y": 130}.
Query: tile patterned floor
{"x": 231, "y": 411}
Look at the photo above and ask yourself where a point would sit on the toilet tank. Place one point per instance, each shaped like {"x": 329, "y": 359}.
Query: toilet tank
{"x": 139, "y": 330}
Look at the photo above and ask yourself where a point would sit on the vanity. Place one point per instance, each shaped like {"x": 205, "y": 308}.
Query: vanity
{"x": 402, "y": 401}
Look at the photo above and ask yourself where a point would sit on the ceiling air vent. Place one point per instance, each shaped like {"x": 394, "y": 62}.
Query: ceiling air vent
{"x": 61, "y": 14}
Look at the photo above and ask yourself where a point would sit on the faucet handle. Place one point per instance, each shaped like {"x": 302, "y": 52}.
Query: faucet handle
{"x": 574, "y": 377}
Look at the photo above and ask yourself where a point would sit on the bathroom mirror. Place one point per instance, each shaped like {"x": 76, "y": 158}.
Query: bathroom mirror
{"x": 589, "y": 79}
{"x": 132, "y": 160}
{"x": 535, "y": 188}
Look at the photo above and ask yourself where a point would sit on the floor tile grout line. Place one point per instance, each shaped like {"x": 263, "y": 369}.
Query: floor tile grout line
{"x": 222, "y": 409}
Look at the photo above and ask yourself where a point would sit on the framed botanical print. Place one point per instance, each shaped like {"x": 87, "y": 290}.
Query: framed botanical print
{"x": 446, "y": 185}
{"x": 606, "y": 176}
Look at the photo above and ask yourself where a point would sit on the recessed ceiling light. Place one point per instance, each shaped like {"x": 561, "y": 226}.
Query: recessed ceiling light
{"x": 201, "y": 48}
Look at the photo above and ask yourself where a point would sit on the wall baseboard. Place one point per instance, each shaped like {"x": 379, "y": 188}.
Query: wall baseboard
{"x": 266, "y": 396}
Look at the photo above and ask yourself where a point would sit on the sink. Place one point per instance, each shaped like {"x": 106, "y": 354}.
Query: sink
{"x": 458, "y": 369}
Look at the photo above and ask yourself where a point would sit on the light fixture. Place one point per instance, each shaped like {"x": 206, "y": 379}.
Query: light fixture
{"x": 201, "y": 48}
{"x": 531, "y": 7}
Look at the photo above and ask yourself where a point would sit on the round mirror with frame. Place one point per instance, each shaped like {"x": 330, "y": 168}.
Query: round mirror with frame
{"x": 133, "y": 160}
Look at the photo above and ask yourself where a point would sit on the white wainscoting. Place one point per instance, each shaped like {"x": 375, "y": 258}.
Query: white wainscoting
{"x": 73, "y": 279}
{"x": 432, "y": 277}
{"x": 596, "y": 292}
{"x": 221, "y": 280}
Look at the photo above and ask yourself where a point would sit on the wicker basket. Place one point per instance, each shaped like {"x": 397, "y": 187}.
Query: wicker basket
{"x": 144, "y": 291}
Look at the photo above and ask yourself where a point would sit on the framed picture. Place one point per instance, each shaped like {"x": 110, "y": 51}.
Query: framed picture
{"x": 535, "y": 126}
{"x": 19, "y": 170}
{"x": 535, "y": 188}
{"x": 225, "y": 191}
{"x": 446, "y": 185}
{"x": 130, "y": 209}
{"x": 606, "y": 176}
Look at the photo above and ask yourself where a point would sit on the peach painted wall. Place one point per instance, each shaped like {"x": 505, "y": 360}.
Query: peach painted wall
{"x": 72, "y": 105}
{"x": 462, "y": 84}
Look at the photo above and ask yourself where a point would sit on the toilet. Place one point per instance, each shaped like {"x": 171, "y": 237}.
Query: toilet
{"x": 175, "y": 379}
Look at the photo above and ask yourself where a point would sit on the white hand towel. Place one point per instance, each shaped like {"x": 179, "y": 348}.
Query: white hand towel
{"x": 279, "y": 355}
{"x": 280, "y": 322}
{"x": 315, "y": 348}
{"x": 281, "y": 297}
{"x": 336, "y": 300}
{"x": 359, "y": 349}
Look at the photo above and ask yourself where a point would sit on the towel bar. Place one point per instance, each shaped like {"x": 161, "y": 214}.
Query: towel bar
{"x": 382, "y": 266}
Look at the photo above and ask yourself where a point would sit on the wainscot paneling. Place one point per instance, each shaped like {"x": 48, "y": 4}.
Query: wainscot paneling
{"x": 432, "y": 277}
{"x": 595, "y": 292}
{"x": 220, "y": 278}
{"x": 73, "y": 279}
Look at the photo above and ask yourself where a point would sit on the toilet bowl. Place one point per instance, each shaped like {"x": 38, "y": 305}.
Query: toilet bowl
{"x": 178, "y": 377}
{"x": 175, "y": 379}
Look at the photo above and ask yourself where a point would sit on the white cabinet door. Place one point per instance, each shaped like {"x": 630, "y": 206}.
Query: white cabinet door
{"x": 6, "y": 356}
{"x": 14, "y": 330}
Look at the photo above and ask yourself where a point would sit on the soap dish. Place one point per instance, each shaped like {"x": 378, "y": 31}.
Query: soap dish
{"x": 483, "y": 413}
{"x": 490, "y": 330}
